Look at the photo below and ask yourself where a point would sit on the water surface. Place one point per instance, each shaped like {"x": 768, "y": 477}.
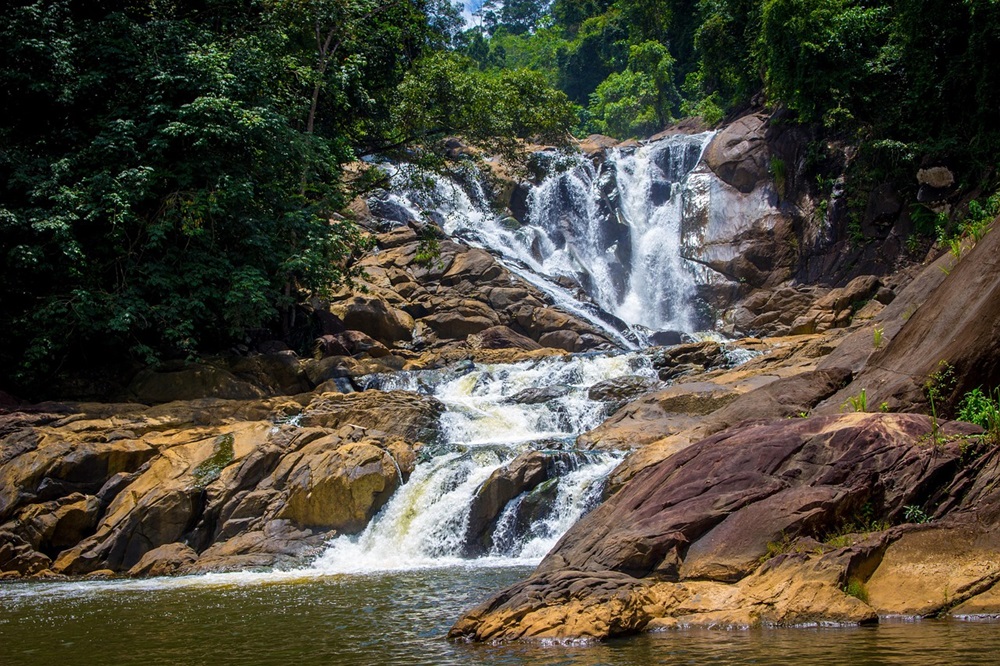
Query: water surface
{"x": 396, "y": 618}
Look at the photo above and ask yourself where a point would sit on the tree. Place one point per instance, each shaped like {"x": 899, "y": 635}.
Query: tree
{"x": 638, "y": 101}
{"x": 447, "y": 94}
{"x": 515, "y": 16}
{"x": 152, "y": 198}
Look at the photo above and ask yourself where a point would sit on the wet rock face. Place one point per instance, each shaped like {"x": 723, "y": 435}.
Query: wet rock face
{"x": 736, "y": 530}
{"x": 522, "y": 475}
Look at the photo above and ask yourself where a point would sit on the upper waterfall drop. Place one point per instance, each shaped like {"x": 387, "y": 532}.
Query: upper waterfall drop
{"x": 616, "y": 228}
{"x": 602, "y": 237}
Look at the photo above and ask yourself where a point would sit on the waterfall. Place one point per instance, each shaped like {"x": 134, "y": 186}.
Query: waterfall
{"x": 614, "y": 229}
{"x": 494, "y": 413}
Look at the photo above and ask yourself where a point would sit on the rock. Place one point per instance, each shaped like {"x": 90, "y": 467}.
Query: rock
{"x": 403, "y": 414}
{"x": 375, "y": 318}
{"x": 596, "y": 144}
{"x": 357, "y": 342}
{"x": 772, "y": 312}
{"x": 957, "y": 324}
{"x": 696, "y": 356}
{"x": 938, "y": 177}
{"x": 522, "y": 474}
{"x": 519, "y": 201}
{"x": 837, "y": 307}
{"x": 164, "y": 560}
{"x": 657, "y": 415}
{"x": 621, "y": 390}
{"x": 566, "y": 340}
{"x": 386, "y": 209}
{"x": 474, "y": 265}
{"x": 684, "y": 541}
{"x": 338, "y": 486}
{"x": 738, "y": 154}
{"x": 666, "y": 338}
{"x": 537, "y": 396}
{"x": 53, "y": 526}
{"x": 501, "y": 337}
{"x": 63, "y": 463}
{"x": 18, "y": 557}
{"x": 456, "y": 325}
{"x": 278, "y": 373}
{"x": 778, "y": 398}
{"x": 940, "y": 567}
{"x": 329, "y": 345}
{"x": 189, "y": 381}
{"x": 579, "y": 605}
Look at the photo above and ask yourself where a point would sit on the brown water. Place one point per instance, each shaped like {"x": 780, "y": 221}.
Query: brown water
{"x": 396, "y": 618}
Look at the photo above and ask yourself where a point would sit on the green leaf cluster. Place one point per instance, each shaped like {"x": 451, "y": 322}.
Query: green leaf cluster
{"x": 910, "y": 78}
{"x": 170, "y": 170}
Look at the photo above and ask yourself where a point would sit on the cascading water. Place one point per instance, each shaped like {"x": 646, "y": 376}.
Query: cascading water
{"x": 493, "y": 414}
{"x": 614, "y": 229}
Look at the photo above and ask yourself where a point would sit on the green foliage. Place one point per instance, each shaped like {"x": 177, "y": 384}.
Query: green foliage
{"x": 857, "y": 403}
{"x": 169, "y": 170}
{"x": 855, "y": 588}
{"x": 210, "y": 468}
{"x": 785, "y": 544}
{"x": 863, "y": 522}
{"x": 514, "y": 16}
{"x": 914, "y": 514}
{"x": 428, "y": 247}
{"x": 826, "y": 59}
{"x": 928, "y": 223}
{"x": 878, "y": 335}
{"x": 447, "y": 94}
{"x": 937, "y": 389}
{"x": 983, "y": 410}
{"x": 637, "y": 101}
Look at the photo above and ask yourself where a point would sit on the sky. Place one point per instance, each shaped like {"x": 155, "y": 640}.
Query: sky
{"x": 470, "y": 6}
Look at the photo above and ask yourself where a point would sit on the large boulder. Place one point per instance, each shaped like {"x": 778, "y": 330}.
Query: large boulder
{"x": 523, "y": 474}
{"x": 189, "y": 381}
{"x": 780, "y": 522}
{"x": 501, "y": 337}
{"x": 339, "y": 486}
{"x": 375, "y": 318}
{"x": 739, "y": 155}
{"x": 404, "y": 414}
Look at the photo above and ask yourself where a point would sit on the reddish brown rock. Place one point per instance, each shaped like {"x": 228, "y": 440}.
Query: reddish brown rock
{"x": 683, "y": 542}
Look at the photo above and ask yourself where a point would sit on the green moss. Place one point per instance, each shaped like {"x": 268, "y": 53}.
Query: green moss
{"x": 855, "y": 588}
{"x": 210, "y": 468}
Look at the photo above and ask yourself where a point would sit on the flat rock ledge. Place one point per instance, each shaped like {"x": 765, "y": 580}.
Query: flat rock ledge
{"x": 831, "y": 520}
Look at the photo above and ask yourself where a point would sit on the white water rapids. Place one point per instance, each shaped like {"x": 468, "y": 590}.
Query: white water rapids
{"x": 486, "y": 425}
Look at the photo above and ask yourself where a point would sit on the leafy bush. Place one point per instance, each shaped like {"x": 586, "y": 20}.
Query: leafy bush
{"x": 983, "y": 410}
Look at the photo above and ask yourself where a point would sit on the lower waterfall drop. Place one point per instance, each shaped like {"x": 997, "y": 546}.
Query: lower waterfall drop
{"x": 494, "y": 413}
